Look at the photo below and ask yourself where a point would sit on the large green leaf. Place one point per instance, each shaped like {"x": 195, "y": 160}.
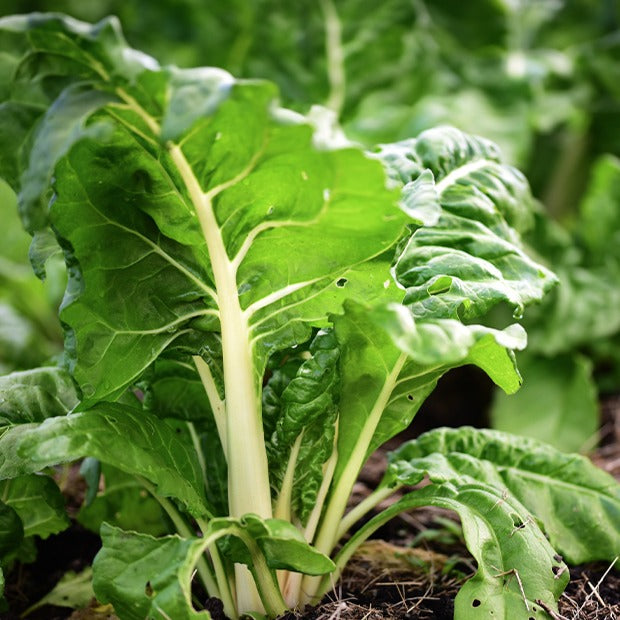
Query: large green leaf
{"x": 34, "y": 395}
{"x": 577, "y": 503}
{"x": 130, "y": 439}
{"x": 172, "y": 211}
{"x": 469, "y": 259}
{"x": 38, "y": 502}
{"x": 557, "y": 404}
{"x": 517, "y": 567}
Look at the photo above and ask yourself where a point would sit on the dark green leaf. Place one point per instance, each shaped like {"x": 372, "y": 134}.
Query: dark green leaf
{"x": 38, "y": 502}
{"x": 128, "y": 438}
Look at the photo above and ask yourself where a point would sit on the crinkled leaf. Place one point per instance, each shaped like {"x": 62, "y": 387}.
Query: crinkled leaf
{"x": 34, "y": 395}
{"x": 577, "y": 503}
{"x": 130, "y": 439}
{"x": 557, "y": 404}
{"x": 469, "y": 259}
{"x": 516, "y": 564}
{"x": 307, "y": 416}
{"x": 38, "y": 502}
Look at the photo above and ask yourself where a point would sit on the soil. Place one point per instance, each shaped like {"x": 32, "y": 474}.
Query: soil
{"x": 413, "y": 568}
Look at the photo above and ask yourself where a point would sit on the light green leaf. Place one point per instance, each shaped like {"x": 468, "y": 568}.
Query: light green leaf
{"x": 577, "y": 503}
{"x": 74, "y": 590}
{"x": 38, "y": 502}
{"x": 34, "y": 395}
{"x": 130, "y": 439}
{"x": 284, "y": 546}
{"x": 516, "y": 565}
{"x": 557, "y": 404}
{"x": 385, "y": 380}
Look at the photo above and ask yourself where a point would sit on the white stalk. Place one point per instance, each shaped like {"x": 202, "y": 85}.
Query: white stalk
{"x": 328, "y": 532}
{"x": 248, "y": 477}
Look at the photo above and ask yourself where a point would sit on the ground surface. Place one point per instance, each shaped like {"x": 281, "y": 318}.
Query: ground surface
{"x": 413, "y": 569}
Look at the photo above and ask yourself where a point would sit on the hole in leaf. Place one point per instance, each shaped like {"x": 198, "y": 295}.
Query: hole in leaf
{"x": 341, "y": 282}
{"x": 475, "y": 603}
{"x": 409, "y": 397}
{"x": 148, "y": 589}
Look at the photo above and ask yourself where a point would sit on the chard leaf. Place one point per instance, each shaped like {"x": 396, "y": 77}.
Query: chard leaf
{"x": 517, "y": 566}
{"x": 304, "y": 431}
{"x": 74, "y": 590}
{"x": 577, "y": 503}
{"x": 38, "y": 502}
{"x": 284, "y": 547}
{"x": 164, "y": 189}
{"x": 386, "y": 380}
{"x": 34, "y": 395}
{"x": 563, "y": 388}
{"x": 130, "y": 439}
{"x": 146, "y": 577}
{"x": 468, "y": 259}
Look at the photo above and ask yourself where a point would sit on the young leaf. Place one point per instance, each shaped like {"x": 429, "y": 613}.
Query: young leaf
{"x": 303, "y": 438}
{"x": 128, "y": 438}
{"x": 577, "y": 503}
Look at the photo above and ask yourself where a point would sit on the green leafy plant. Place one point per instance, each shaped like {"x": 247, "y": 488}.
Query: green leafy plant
{"x": 253, "y": 306}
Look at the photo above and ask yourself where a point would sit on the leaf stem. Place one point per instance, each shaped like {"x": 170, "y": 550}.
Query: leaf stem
{"x": 184, "y": 530}
{"x": 335, "y": 57}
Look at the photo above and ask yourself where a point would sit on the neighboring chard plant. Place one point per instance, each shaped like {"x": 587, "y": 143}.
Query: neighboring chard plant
{"x": 251, "y": 310}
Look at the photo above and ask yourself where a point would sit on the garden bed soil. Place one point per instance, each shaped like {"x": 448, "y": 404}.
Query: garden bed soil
{"x": 388, "y": 578}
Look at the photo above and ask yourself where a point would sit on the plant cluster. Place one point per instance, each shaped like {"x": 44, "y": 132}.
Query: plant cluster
{"x": 255, "y": 304}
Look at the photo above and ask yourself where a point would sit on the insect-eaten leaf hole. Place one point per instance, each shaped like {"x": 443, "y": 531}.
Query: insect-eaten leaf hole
{"x": 475, "y": 603}
{"x": 148, "y": 589}
{"x": 340, "y": 282}
{"x": 409, "y": 396}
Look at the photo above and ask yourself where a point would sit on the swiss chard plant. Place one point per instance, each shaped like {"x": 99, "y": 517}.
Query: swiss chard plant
{"x": 254, "y": 305}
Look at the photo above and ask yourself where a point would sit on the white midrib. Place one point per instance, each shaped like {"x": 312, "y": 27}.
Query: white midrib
{"x": 248, "y": 479}
{"x": 458, "y": 173}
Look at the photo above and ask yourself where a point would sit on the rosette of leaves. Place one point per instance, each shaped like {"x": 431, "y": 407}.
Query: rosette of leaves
{"x": 251, "y": 310}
